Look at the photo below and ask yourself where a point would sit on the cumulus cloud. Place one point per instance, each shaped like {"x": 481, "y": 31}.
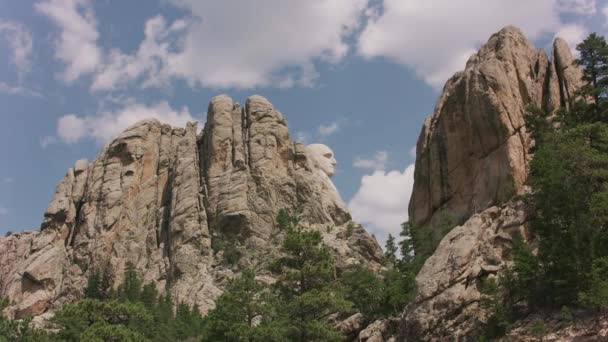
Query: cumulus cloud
{"x": 231, "y": 43}
{"x": 573, "y": 34}
{"x": 76, "y": 45}
{"x": 378, "y": 162}
{"x": 20, "y": 42}
{"x": 274, "y": 42}
{"x": 106, "y": 125}
{"x": 149, "y": 62}
{"x": 581, "y": 7}
{"x": 382, "y": 200}
{"x": 401, "y": 30}
{"x": 328, "y": 129}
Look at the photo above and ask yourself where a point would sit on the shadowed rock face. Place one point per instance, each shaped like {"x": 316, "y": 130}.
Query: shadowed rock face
{"x": 159, "y": 197}
{"x": 472, "y": 152}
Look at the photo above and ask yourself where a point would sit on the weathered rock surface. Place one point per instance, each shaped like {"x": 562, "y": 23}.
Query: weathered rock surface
{"x": 586, "y": 326}
{"x": 472, "y": 152}
{"x": 162, "y": 198}
{"x": 449, "y": 284}
{"x": 472, "y": 159}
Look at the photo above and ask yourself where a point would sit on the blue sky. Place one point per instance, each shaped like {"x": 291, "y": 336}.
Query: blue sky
{"x": 357, "y": 75}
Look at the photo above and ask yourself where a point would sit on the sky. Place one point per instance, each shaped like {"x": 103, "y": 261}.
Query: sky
{"x": 357, "y": 75}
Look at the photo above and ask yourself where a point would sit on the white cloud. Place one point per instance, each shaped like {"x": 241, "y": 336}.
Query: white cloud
{"x": 150, "y": 60}
{"x": 77, "y": 44}
{"x": 382, "y": 200}
{"x": 18, "y": 90}
{"x": 581, "y": 7}
{"x": 377, "y": 163}
{"x": 435, "y": 37}
{"x": 8, "y": 180}
{"x": 106, "y": 125}
{"x": 271, "y": 36}
{"x": 47, "y": 141}
{"x": 20, "y": 42}
{"x": 573, "y": 34}
{"x": 3, "y": 211}
{"x": 327, "y": 130}
{"x": 231, "y": 43}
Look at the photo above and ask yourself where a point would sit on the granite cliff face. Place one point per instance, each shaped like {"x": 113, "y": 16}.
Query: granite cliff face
{"x": 472, "y": 152}
{"x": 166, "y": 200}
{"x": 472, "y": 161}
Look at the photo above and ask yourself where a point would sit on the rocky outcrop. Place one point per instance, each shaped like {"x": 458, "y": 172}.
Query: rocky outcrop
{"x": 472, "y": 152}
{"x": 447, "y": 305}
{"x": 472, "y": 161}
{"x": 167, "y": 200}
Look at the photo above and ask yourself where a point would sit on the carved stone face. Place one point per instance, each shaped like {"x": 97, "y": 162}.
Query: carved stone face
{"x": 323, "y": 158}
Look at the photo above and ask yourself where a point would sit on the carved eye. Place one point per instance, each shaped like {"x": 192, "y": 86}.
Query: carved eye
{"x": 328, "y": 155}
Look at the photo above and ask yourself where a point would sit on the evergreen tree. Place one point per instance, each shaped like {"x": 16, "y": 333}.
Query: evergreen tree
{"x": 130, "y": 289}
{"x": 390, "y": 249}
{"x": 93, "y": 285}
{"x": 594, "y": 62}
{"x": 306, "y": 288}
{"x": 569, "y": 178}
{"x": 149, "y": 296}
{"x": 365, "y": 290}
{"x": 236, "y": 311}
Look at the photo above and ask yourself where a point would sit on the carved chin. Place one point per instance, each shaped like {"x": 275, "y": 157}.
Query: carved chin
{"x": 329, "y": 172}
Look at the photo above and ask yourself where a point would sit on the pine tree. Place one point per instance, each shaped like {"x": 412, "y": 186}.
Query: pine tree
{"x": 390, "y": 249}
{"x": 131, "y": 286}
{"x": 594, "y": 62}
{"x": 236, "y": 311}
{"x": 306, "y": 287}
{"x": 365, "y": 290}
{"x": 93, "y": 285}
{"x": 149, "y": 296}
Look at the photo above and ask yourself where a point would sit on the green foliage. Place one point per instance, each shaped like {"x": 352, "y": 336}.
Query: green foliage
{"x": 596, "y": 295}
{"x": 350, "y": 229}
{"x": 130, "y": 290}
{"x": 100, "y": 281}
{"x": 538, "y": 328}
{"x": 365, "y": 289}
{"x": 306, "y": 287}
{"x": 149, "y": 296}
{"x": 594, "y": 61}
{"x": 390, "y": 249}
{"x": 498, "y": 317}
{"x": 569, "y": 177}
{"x": 79, "y": 318}
{"x": 11, "y": 330}
{"x": 229, "y": 246}
{"x": 566, "y": 314}
{"x": 233, "y": 318}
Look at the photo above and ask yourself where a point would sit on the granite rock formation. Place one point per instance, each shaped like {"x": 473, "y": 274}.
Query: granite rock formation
{"x": 472, "y": 152}
{"x": 167, "y": 200}
{"x": 472, "y": 162}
